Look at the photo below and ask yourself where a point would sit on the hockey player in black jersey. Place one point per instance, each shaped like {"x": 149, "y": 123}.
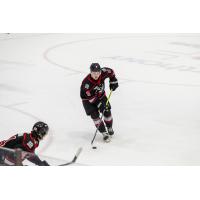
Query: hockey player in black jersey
{"x": 94, "y": 98}
{"x": 27, "y": 142}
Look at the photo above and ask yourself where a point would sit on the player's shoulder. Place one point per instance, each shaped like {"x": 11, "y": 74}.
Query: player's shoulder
{"x": 86, "y": 79}
{"x": 23, "y": 134}
{"x": 106, "y": 70}
{"x": 13, "y": 137}
{"x": 86, "y": 83}
{"x": 20, "y": 134}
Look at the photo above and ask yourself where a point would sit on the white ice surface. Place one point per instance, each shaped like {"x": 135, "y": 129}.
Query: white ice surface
{"x": 156, "y": 108}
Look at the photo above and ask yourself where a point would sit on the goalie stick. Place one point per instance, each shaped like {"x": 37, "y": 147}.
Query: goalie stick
{"x": 74, "y": 159}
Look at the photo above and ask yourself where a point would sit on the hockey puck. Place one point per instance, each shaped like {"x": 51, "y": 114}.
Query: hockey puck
{"x": 94, "y": 147}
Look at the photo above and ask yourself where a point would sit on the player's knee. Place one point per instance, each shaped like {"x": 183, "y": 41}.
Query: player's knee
{"x": 107, "y": 113}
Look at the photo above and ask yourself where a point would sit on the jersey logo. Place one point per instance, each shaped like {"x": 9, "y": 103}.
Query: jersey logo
{"x": 87, "y": 86}
{"x": 99, "y": 88}
{"x": 30, "y": 144}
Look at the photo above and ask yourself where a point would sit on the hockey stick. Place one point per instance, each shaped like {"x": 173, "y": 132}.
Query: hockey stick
{"x": 101, "y": 118}
{"x": 75, "y": 157}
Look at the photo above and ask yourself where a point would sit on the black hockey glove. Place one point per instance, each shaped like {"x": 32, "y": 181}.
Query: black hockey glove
{"x": 114, "y": 85}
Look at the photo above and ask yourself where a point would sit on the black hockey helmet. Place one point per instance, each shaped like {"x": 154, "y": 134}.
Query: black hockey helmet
{"x": 40, "y": 129}
{"x": 95, "y": 67}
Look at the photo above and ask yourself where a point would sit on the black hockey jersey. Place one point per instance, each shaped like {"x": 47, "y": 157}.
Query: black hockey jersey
{"x": 93, "y": 90}
{"x": 25, "y": 142}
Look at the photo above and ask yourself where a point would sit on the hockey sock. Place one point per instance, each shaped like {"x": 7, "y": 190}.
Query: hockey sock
{"x": 108, "y": 118}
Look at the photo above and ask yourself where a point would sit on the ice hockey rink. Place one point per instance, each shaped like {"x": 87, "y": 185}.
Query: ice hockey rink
{"x": 155, "y": 109}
